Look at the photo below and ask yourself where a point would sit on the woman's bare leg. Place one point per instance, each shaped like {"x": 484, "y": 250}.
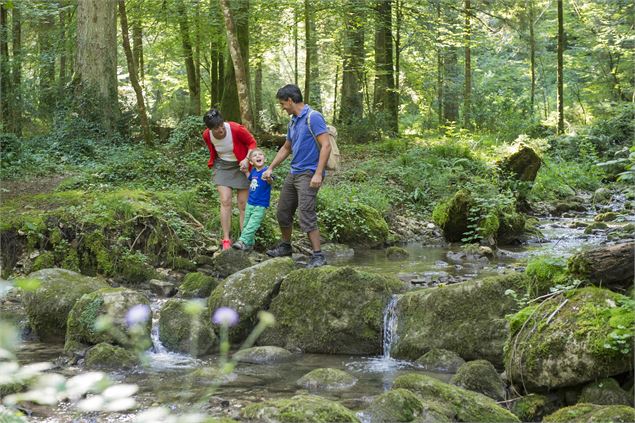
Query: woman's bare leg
{"x": 225, "y": 194}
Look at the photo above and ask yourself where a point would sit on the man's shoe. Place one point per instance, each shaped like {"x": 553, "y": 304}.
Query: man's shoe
{"x": 283, "y": 249}
{"x": 316, "y": 260}
{"x": 239, "y": 245}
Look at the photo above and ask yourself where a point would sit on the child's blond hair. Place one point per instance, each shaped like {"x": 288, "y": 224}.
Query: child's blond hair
{"x": 255, "y": 150}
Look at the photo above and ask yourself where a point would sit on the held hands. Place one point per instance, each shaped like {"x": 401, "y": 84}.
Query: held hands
{"x": 267, "y": 176}
{"x": 316, "y": 181}
{"x": 244, "y": 165}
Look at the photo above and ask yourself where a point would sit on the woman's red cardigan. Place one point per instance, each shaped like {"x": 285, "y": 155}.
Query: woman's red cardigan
{"x": 242, "y": 139}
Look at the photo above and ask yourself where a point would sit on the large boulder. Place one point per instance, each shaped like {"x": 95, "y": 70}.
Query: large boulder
{"x": 327, "y": 380}
{"x": 183, "y": 332}
{"x": 461, "y": 404}
{"x": 263, "y": 355}
{"x": 467, "y": 318}
{"x": 299, "y": 409}
{"x": 356, "y": 224}
{"x": 608, "y": 265}
{"x": 197, "y": 285}
{"x": 533, "y": 407}
{"x": 480, "y": 376}
{"x": 106, "y": 355}
{"x": 48, "y": 306}
{"x": 440, "y": 360}
{"x": 230, "y": 261}
{"x": 114, "y": 304}
{"x": 249, "y": 291}
{"x": 605, "y": 392}
{"x": 591, "y": 413}
{"x": 523, "y": 164}
{"x": 401, "y": 405}
{"x": 451, "y": 216}
{"x": 570, "y": 339}
{"x": 331, "y": 310}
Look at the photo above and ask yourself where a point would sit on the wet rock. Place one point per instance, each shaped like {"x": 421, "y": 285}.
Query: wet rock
{"x": 331, "y": 310}
{"x": 197, "y": 285}
{"x": 337, "y": 252}
{"x": 183, "y": 332}
{"x": 467, "y": 318}
{"x": 461, "y": 404}
{"x": 606, "y": 217}
{"x": 230, "y": 261}
{"x": 533, "y": 407}
{"x": 107, "y": 355}
{"x": 114, "y": 303}
{"x": 49, "y": 305}
{"x": 263, "y": 355}
{"x": 461, "y": 257}
{"x": 523, "y": 164}
{"x": 595, "y": 226}
{"x": 610, "y": 266}
{"x": 407, "y": 277}
{"x": 577, "y": 225}
{"x": 452, "y": 215}
{"x": 249, "y": 291}
{"x": 401, "y": 405}
{"x": 577, "y": 345}
{"x": 591, "y": 413}
{"x": 440, "y": 360}
{"x": 300, "y": 408}
{"x": 327, "y": 380}
{"x": 397, "y": 253}
{"x": 480, "y": 376}
{"x": 602, "y": 196}
{"x": 568, "y": 205}
{"x": 162, "y": 288}
{"x": 605, "y": 392}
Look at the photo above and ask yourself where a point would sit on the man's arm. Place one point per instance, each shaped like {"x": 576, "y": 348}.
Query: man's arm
{"x": 282, "y": 154}
{"x": 325, "y": 151}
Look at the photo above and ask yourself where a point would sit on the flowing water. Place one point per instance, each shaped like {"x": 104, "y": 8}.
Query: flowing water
{"x": 167, "y": 379}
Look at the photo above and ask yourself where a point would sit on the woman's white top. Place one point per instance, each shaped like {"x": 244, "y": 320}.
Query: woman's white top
{"x": 225, "y": 147}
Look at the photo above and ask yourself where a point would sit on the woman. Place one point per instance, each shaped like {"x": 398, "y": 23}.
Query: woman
{"x": 229, "y": 145}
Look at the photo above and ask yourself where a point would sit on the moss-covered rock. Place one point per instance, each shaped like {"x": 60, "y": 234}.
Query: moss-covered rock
{"x": 197, "y": 285}
{"x": 523, "y": 164}
{"x": 230, "y": 261}
{"x": 480, "y": 376}
{"x": 464, "y": 405}
{"x": 263, "y": 355}
{"x": 331, "y": 310}
{"x": 533, "y": 407}
{"x": 440, "y": 360}
{"x": 467, "y": 318}
{"x": 48, "y": 306}
{"x": 591, "y": 413}
{"x": 572, "y": 204}
{"x": 602, "y": 196}
{"x": 356, "y": 224}
{"x": 401, "y": 405}
{"x": 249, "y": 291}
{"x": 595, "y": 226}
{"x": 107, "y": 355}
{"x": 114, "y": 304}
{"x": 397, "y": 253}
{"x": 571, "y": 339}
{"x": 606, "y": 217}
{"x": 451, "y": 216}
{"x": 46, "y": 260}
{"x": 545, "y": 272}
{"x": 605, "y": 392}
{"x": 299, "y": 409}
{"x": 327, "y": 380}
{"x": 183, "y": 332}
{"x": 607, "y": 265}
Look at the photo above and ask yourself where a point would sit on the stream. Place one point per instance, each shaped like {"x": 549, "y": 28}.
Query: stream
{"x": 167, "y": 380}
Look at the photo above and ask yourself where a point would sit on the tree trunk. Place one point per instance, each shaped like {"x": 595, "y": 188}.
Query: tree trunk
{"x": 560, "y": 75}
{"x": 439, "y": 67}
{"x": 230, "y": 104}
{"x": 132, "y": 72}
{"x": 216, "y": 58}
{"x": 242, "y": 81}
{"x": 451, "y": 88}
{"x": 96, "y": 62}
{"x": 61, "y": 83}
{"x": 4, "y": 66}
{"x": 186, "y": 45}
{"x": 532, "y": 54}
{"x": 398, "y": 16}
{"x": 467, "y": 97}
{"x": 258, "y": 94}
{"x": 351, "y": 107}
{"x": 609, "y": 266}
{"x": 337, "y": 72}
{"x": 16, "y": 107}
{"x": 384, "y": 101}
{"x": 46, "y": 91}
{"x": 312, "y": 91}
{"x": 295, "y": 46}
{"x": 137, "y": 49}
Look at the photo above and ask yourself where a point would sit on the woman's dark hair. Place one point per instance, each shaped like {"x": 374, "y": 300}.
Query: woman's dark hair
{"x": 213, "y": 119}
{"x": 290, "y": 91}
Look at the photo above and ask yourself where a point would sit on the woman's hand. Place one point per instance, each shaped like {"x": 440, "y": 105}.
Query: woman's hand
{"x": 244, "y": 164}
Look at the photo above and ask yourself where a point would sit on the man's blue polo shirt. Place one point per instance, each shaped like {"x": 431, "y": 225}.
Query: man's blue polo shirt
{"x": 306, "y": 153}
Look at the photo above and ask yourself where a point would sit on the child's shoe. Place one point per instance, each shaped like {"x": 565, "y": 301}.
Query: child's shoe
{"x": 239, "y": 245}
{"x": 227, "y": 244}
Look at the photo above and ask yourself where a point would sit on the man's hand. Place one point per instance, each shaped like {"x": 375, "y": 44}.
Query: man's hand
{"x": 267, "y": 175}
{"x": 316, "y": 181}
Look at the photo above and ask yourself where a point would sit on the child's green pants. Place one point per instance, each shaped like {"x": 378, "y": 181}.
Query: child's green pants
{"x": 253, "y": 217}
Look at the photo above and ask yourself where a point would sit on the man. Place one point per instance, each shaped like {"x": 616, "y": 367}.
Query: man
{"x": 301, "y": 186}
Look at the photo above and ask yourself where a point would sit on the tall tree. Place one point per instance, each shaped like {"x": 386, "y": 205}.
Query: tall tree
{"x": 4, "y": 65}
{"x": 193, "y": 84}
{"x": 384, "y": 98}
{"x": 62, "y": 51}
{"x": 532, "y": 53}
{"x": 312, "y": 91}
{"x": 560, "y": 73}
{"x": 16, "y": 106}
{"x": 96, "y": 62}
{"x": 137, "y": 48}
{"x": 451, "y": 72}
{"x": 439, "y": 51}
{"x": 242, "y": 81}
{"x": 467, "y": 96}
{"x": 230, "y": 103}
{"x": 351, "y": 102}
{"x": 132, "y": 72}
{"x": 46, "y": 35}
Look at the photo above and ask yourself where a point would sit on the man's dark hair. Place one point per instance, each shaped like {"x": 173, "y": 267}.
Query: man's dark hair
{"x": 213, "y": 119}
{"x": 290, "y": 91}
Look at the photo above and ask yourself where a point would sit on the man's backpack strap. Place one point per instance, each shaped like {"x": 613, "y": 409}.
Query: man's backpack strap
{"x": 308, "y": 123}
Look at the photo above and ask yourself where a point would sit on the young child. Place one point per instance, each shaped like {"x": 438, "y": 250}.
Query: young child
{"x": 257, "y": 203}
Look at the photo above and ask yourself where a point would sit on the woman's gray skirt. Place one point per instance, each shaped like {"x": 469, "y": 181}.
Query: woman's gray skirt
{"x": 228, "y": 174}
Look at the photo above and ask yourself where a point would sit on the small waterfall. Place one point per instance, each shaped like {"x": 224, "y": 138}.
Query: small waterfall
{"x": 390, "y": 325}
{"x": 159, "y": 356}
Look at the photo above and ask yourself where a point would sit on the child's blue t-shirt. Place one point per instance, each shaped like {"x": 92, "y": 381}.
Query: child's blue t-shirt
{"x": 259, "y": 189}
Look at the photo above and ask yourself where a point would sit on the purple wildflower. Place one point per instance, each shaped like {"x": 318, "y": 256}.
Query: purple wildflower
{"x": 225, "y": 316}
{"x": 138, "y": 314}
